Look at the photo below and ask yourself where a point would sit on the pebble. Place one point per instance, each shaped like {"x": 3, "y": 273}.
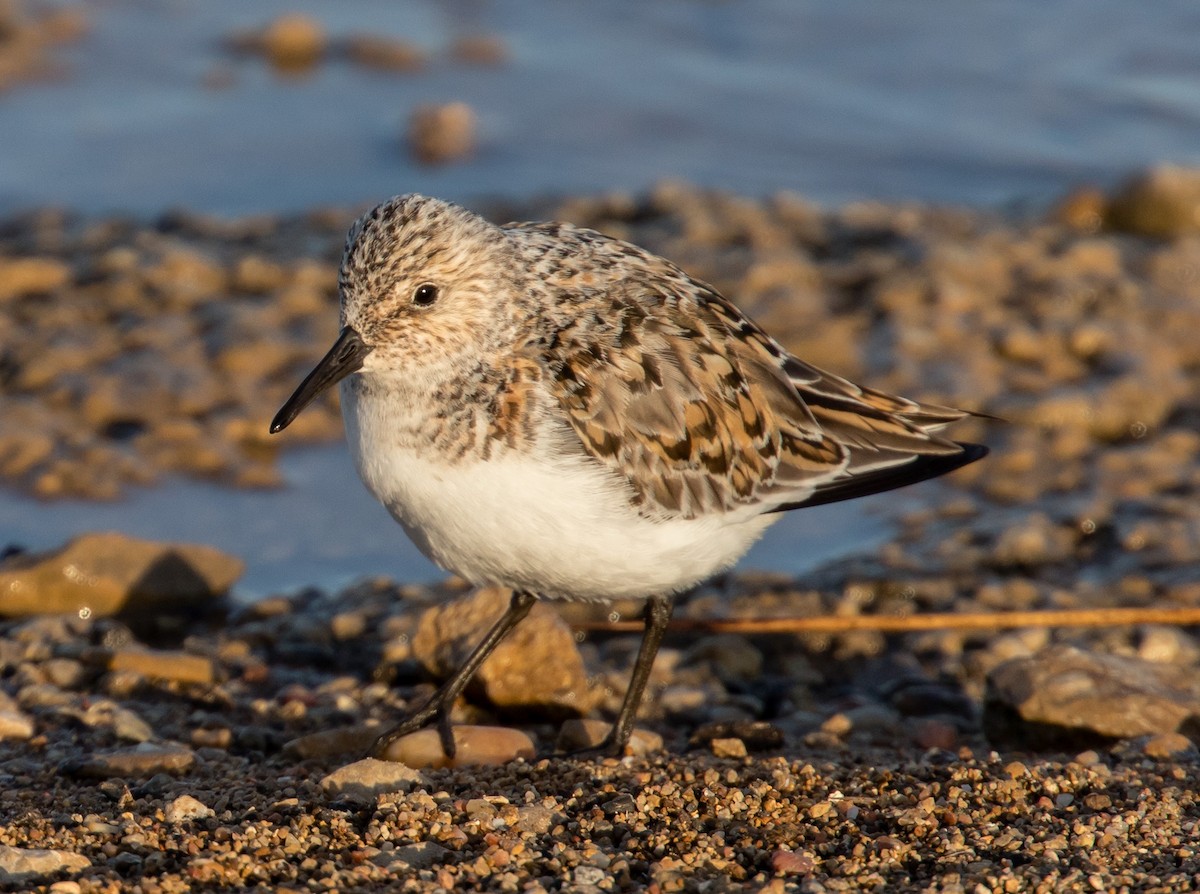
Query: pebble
{"x": 15, "y": 724}
{"x": 438, "y": 134}
{"x": 140, "y": 762}
{"x": 185, "y": 808}
{"x": 474, "y": 745}
{"x": 19, "y": 864}
{"x": 177, "y": 666}
{"x": 365, "y": 780}
{"x": 422, "y": 855}
{"x": 728, "y": 748}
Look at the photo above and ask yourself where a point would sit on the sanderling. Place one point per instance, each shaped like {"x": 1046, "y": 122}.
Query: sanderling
{"x": 549, "y": 409}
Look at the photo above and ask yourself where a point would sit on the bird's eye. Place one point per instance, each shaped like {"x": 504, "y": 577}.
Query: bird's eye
{"x": 425, "y": 295}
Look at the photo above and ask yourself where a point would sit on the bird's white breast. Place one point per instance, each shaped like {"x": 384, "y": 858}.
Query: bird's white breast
{"x": 552, "y": 522}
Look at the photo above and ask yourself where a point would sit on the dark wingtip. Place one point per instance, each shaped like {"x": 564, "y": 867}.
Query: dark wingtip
{"x": 920, "y": 469}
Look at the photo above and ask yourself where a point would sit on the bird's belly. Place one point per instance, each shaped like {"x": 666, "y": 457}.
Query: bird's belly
{"x": 560, "y": 527}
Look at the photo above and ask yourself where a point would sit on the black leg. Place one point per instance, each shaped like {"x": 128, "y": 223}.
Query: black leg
{"x": 657, "y": 616}
{"x": 442, "y": 701}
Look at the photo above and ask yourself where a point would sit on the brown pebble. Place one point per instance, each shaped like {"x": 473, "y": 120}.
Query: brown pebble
{"x": 438, "y": 134}
{"x": 728, "y": 748}
{"x": 178, "y": 666}
{"x": 139, "y": 762}
{"x": 784, "y": 862}
{"x": 384, "y": 53}
{"x": 474, "y": 745}
{"x": 1165, "y": 746}
{"x": 365, "y": 780}
{"x": 293, "y": 42}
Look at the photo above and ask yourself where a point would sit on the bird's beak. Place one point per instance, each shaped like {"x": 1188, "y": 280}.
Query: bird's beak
{"x": 345, "y": 357}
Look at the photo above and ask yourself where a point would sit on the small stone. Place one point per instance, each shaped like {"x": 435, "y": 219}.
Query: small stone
{"x": 26, "y": 863}
{"x": 784, "y": 862}
{"x": 178, "y": 666}
{"x": 31, "y": 276}
{"x": 186, "y": 808}
{"x": 535, "y": 819}
{"x": 423, "y": 855}
{"x": 1169, "y": 746}
{"x": 757, "y": 735}
{"x": 130, "y": 727}
{"x": 728, "y": 748}
{"x": 333, "y": 742}
{"x": 480, "y": 49}
{"x": 15, "y": 724}
{"x": 384, "y": 53}
{"x": 140, "y": 762}
{"x": 438, "y": 134}
{"x": 212, "y": 737}
{"x": 1164, "y": 202}
{"x": 475, "y": 745}
{"x": 579, "y": 734}
{"x": 293, "y": 42}
{"x": 365, "y": 780}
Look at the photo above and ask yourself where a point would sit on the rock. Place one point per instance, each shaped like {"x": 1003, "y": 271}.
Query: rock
{"x": 106, "y": 574}
{"x": 480, "y": 49}
{"x": 732, "y": 657}
{"x": 438, "y": 134}
{"x": 15, "y": 724}
{"x": 19, "y": 864}
{"x": 475, "y": 745}
{"x": 1164, "y": 201}
{"x": 728, "y": 748}
{"x": 186, "y": 808}
{"x": 1169, "y": 746}
{"x": 536, "y": 669}
{"x": 333, "y": 742}
{"x": 178, "y": 666}
{"x": 422, "y": 855}
{"x": 785, "y": 862}
{"x": 130, "y": 727}
{"x": 365, "y": 780}
{"x": 139, "y": 762}
{"x": 31, "y": 276}
{"x": 755, "y": 735}
{"x": 384, "y": 53}
{"x": 579, "y": 734}
{"x": 293, "y": 42}
{"x": 212, "y": 737}
{"x": 1065, "y": 697}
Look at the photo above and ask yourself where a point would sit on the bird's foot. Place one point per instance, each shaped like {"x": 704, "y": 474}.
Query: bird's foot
{"x": 435, "y": 710}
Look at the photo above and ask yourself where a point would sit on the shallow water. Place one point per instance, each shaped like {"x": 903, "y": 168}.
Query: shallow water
{"x": 979, "y": 103}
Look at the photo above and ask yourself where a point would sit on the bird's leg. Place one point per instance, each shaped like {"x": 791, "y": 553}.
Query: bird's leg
{"x": 656, "y": 617}
{"x": 441, "y": 702}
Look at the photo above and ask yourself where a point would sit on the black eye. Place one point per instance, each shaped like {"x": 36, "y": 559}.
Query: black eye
{"x": 425, "y": 295}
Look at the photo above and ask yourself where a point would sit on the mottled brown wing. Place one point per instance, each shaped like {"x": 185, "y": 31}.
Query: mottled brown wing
{"x": 694, "y": 416}
{"x": 669, "y": 384}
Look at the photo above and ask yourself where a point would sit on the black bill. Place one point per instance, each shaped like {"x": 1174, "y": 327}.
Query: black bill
{"x": 345, "y": 357}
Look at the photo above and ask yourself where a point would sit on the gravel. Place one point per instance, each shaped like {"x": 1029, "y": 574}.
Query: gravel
{"x": 226, "y": 751}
